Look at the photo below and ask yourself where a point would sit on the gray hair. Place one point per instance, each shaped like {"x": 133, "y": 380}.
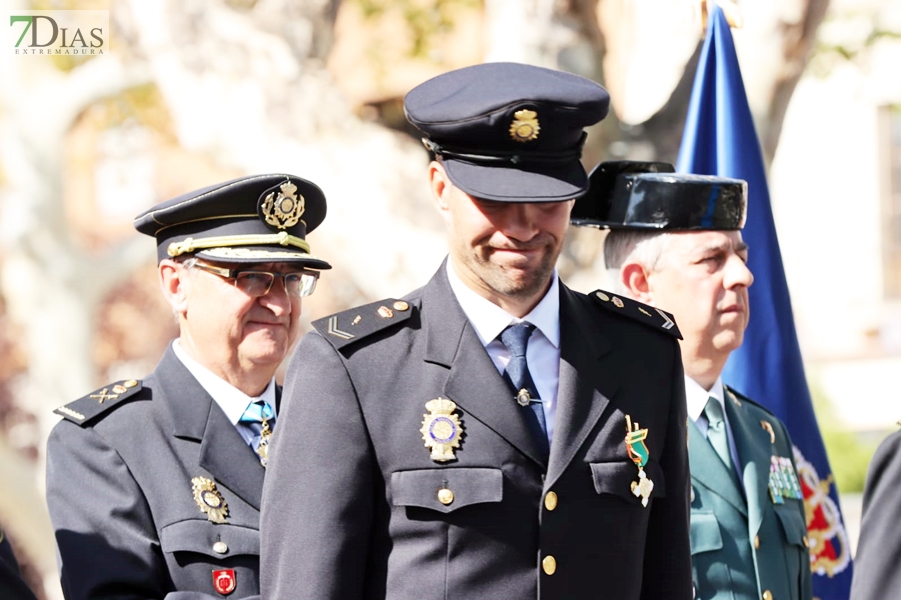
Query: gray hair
{"x": 622, "y": 246}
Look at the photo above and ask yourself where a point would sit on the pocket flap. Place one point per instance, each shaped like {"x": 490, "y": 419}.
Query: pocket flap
{"x": 617, "y": 477}
{"x": 792, "y": 523}
{"x": 201, "y": 536}
{"x": 467, "y": 485}
{"x": 704, "y": 532}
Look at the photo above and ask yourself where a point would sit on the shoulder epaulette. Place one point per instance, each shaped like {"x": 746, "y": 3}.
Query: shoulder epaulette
{"x": 99, "y": 402}
{"x": 739, "y": 398}
{"x": 355, "y": 324}
{"x": 654, "y": 317}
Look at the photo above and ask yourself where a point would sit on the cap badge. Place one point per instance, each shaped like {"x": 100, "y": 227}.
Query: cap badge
{"x": 285, "y": 209}
{"x": 441, "y": 429}
{"x": 524, "y": 127}
{"x": 209, "y": 499}
{"x": 639, "y": 454}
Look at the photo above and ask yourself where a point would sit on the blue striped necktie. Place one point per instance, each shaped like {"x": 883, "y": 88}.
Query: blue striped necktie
{"x": 516, "y": 339}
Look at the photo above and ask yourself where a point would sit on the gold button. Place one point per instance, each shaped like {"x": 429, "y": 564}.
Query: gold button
{"x": 767, "y": 595}
{"x": 445, "y": 496}
{"x": 550, "y": 501}
{"x": 756, "y": 542}
{"x": 806, "y": 542}
{"x": 549, "y": 564}
{"x": 603, "y": 296}
{"x": 220, "y": 547}
{"x": 401, "y": 305}
{"x": 131, "y": 383}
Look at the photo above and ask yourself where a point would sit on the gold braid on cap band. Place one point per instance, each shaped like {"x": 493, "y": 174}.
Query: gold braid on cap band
{"x": 281, "y": 238}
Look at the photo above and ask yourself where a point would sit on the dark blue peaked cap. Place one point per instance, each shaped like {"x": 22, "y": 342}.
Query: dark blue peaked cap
{"x": 255, "y": 219}
{"x": 649, "y": 195}
{"x": 507, "y": 131}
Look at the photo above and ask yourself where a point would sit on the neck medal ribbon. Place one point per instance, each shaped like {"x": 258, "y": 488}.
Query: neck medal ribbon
{"x": 638, "y": 452}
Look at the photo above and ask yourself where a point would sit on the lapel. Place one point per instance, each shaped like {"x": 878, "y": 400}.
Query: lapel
{"x": 473, "y": 381}
{"x": 709, "y": 470}
{"x": 586, "y": 383}
{"x": 753, "y": 445}
{"x": 223, "y": 452}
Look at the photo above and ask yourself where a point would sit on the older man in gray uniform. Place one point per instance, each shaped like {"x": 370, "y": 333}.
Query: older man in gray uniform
{"x": 676, "y": 243}
{"x": 493, "y": 434}
{"x": 154, "y": 486}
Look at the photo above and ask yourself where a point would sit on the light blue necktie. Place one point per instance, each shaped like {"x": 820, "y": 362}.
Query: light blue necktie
{"x": 259, "y": 419}
{"x": 516, "y": 339}
{"x": 716, "y": 432}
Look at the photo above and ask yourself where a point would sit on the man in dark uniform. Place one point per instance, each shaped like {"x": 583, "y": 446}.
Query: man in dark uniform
{"x": 876, "y": 564}
{"x": 11, "y": 585}
{"x": 154, "y": 486}
{"x": 676, "y": 243}
{"x": 493, "y": 434}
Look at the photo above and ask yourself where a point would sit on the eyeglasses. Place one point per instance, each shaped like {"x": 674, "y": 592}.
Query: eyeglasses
{"x": 258, "y": 283}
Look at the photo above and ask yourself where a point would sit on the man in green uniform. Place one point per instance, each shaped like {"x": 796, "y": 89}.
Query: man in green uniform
{"x": 676, "y": 244}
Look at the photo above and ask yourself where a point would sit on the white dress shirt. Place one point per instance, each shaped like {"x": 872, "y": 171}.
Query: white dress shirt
{"x": 230, "y": 399}
{"x": 696, "y": 398}
{"x": 543, "y": 353}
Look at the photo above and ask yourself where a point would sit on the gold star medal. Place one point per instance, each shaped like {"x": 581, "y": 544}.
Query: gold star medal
{"x": 441, "y": 429}
{"x": 638, "y": 452}
{"x": 209, "y": 499}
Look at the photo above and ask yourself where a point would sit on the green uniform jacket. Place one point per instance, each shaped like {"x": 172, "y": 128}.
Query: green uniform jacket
{"x": 743, "y": 545}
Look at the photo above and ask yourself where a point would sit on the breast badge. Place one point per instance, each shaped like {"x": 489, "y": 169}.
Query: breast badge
{"x": 209, "y": 499}
{"x": 224, "y": 581}
{"x": 441, "y": 429}
{"x": 638, "y": 452}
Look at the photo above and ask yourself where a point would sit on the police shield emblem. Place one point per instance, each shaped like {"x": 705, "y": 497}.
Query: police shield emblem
{"x": 224, "y": 581}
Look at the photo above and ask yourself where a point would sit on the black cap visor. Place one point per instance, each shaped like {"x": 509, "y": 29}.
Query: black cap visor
{"x": 535, "y": 182}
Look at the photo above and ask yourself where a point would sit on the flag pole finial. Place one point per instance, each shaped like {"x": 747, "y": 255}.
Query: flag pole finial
{"x": 730, "y": 9}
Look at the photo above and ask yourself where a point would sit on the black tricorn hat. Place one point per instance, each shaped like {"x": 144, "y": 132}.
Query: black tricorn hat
{"x": 509, "y": 132}
{"x": 647, "y": 195}
{"x": 254, "y": 219}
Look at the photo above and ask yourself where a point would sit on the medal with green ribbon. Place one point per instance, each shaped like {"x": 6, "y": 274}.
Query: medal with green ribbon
{"x": 638, "y": 452}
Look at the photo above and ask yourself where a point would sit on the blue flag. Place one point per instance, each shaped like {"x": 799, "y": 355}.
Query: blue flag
{"x": 720, "y": 139}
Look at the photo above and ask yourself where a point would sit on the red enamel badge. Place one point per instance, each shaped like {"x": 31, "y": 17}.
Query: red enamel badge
{"x": 224, "y": 581}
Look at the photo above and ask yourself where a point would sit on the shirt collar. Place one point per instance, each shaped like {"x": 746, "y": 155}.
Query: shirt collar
{"x": 489, "y": 319}
{"x": 232, "y": 400}
{"x": 696, "y": 397}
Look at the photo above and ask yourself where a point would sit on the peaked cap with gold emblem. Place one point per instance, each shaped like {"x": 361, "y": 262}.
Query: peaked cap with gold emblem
{"x": 509, "y": 132}
{"x": 255, "y": 219}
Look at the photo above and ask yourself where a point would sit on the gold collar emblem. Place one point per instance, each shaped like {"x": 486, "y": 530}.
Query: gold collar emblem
{"x": 209, "y": 499}
{"x": 284, "y": 210}
{"x": 524, "y": 127}
{"x": 441, "y": 429}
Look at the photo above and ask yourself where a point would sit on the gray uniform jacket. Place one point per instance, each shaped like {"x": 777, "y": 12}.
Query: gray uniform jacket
{"x": 877, "y": 564}
{"x": 11, "y": 585}
{"x": 743, "y": 545}
{"x": 119, "y": 489}
{"x": 354, "y": 508}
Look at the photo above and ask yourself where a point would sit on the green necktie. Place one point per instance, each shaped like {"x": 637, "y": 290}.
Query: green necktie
{"x": 716, "y": 431}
